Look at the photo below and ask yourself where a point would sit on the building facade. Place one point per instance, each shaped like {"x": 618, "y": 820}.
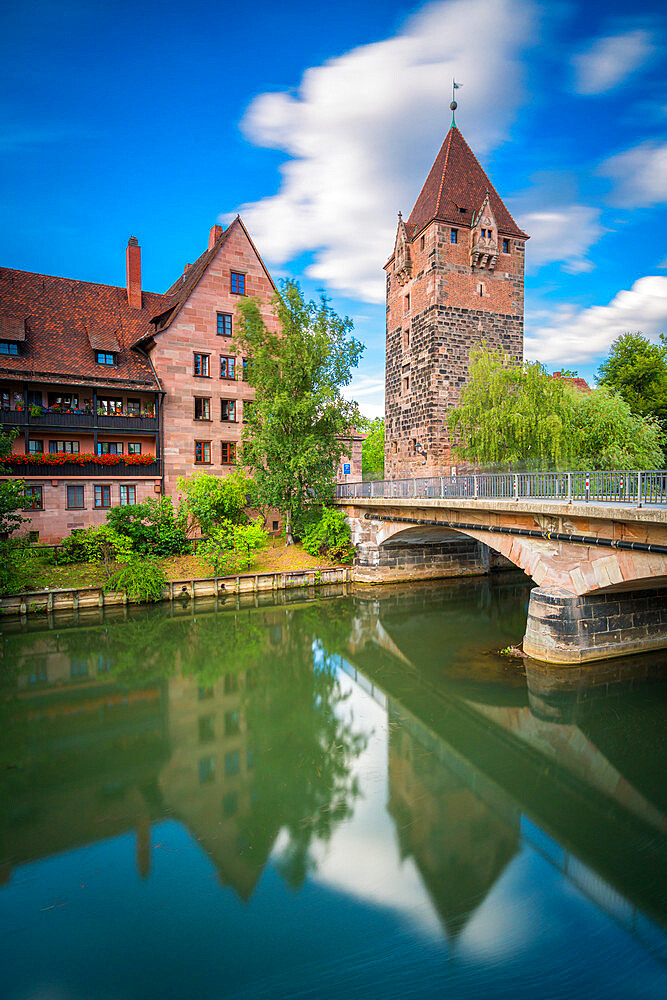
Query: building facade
{"x": 454, "y": 281}
{"x": 116, "y": 392}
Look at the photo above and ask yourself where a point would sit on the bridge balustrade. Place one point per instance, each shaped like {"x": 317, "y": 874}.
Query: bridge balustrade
{"x": 638, "y": 488}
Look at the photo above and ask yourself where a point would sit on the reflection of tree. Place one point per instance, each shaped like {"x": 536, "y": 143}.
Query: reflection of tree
{"x": 305, "y": 748}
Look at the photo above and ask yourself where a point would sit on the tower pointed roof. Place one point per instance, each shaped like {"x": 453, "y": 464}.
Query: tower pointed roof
{"x": 455, "y": 189}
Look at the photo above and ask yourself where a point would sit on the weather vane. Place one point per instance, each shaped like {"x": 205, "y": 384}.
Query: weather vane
{"x": 453, "y": 106}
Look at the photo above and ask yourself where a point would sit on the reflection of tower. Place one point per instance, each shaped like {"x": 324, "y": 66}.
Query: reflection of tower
{"x": 458, "y": 843}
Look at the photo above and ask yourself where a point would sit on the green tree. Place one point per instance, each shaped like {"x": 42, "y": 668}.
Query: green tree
{"x": 516, "y": 415}
{"x": 209, "y": 500}
{"x": 372, "y": 453}
{"x": 637, "y": 370}
{"x": 295, "y": 433}
{"x": 231, "y": 548}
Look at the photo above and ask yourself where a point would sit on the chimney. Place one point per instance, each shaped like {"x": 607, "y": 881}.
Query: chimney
{"x": 215, "y": 234}
{"x": 133, "y": 266}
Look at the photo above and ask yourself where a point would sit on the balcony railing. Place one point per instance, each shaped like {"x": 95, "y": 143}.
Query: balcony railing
{"x": 86, "y": 421}
{"x": 84, "y": 470}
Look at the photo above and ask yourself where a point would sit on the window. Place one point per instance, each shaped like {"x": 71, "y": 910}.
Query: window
{"x": 203, "y": 452}
{"x": 109, "y": 447}
{"x": 406, "y": 304}
{"x": 201, "y": 365}
{"x": 453, "y": 235}
{"x": 406, "y": 383}
{"x": 480, "y": 289}
{"x": 202, "y": 408}
{"x": 75, "y": 498}
{"x": 34, "y": 397}
{"x": 413, "y": 446}
{"x": 406, "y": 339}
{"x": 506, "y": 246}
{"x": 71, "y": 447}
{"x": 33, "y": 498}
{"x": 35, "y": 447}
{"x": 128, "y": 495}
{"x": 103, "y": 358}
{"x": 78, "y": 668}
{"x": 102, "y": 496}
{"x": 206, "y": 733}
{"x": 232, "y": 763}
{"x": 228, "y": 456}
{"x": 421, "y": 243}
{"x": 134, "y": 407}
{"x": 7, "y": 347}
{"x": 394, "y": 447}
{"x": 228, "y": 410}
{"x": 109, "y": 407}
{"x": 232, "y": 723}
{"x": 275, "y": 526}
{"x": 238, "y": 283}
{"x": 227, "y": 367}
{"x": 134, "y": 447}
{"x": 67, "y": 402}
{"x": 206, "y": 770}
{"x": 224, "y": 324}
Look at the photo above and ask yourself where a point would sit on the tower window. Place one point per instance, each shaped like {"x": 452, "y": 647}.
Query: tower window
{"x": 453, "y": 235}
{"x": 406, "y": 304}
{"x": 406, "y": 383}
{"x": 480, "y": 289}
{"x": 406, "y": 339}
{"x": 421, "y": 243}
{"x": 394, "y": 447}
{"x": 506, "y": 246}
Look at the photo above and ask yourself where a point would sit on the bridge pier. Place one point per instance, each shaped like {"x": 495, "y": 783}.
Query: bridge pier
{"x": 567, "y": 628}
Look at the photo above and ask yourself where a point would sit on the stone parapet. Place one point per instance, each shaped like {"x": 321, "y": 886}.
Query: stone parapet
{"x": 565, "y": 628}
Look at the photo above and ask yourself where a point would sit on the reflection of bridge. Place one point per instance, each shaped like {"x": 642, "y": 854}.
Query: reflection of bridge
{"x": 600, "y": 566}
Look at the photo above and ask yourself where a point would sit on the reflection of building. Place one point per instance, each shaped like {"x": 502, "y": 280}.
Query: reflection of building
{"x": 459, "y": 844}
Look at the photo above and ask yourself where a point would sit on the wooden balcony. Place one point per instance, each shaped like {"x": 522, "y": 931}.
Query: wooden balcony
{"x": 84, "y": 470}
{"x": 51, "y": 419}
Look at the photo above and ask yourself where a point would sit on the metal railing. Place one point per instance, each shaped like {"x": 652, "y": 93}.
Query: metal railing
{"x": 638, "y": 488}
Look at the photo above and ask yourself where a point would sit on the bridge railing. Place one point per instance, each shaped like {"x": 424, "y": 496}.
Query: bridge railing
{"x": 637, "y": 488}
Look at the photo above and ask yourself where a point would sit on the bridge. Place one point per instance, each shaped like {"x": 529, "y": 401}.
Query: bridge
{"x": 595, "y": 543}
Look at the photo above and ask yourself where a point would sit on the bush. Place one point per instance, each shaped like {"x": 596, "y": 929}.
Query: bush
{"x": 230, "y": 548}
{"x": 141, "y": 579}
{"x": 330, "y": 536}
{"x": 153, "y": 527}
{"x": 16, "y": 565}
{"x": 211, "y": 500}
{"x": 101, "y": 544}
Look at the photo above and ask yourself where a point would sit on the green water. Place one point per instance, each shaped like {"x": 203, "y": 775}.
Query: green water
{"x": 334, "y": 796}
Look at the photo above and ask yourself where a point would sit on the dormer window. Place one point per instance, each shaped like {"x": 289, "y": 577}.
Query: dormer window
{"x": 104, "y": 358}
{"x": 8, "y": 347}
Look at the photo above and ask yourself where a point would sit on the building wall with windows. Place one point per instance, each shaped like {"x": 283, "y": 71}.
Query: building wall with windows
{"x": 200, "y": 371}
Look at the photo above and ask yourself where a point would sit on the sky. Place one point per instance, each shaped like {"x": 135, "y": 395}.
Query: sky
{"x": 319, "y": 123}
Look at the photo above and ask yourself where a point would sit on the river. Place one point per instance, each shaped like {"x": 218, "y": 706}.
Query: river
{"x": 327, "y": 794}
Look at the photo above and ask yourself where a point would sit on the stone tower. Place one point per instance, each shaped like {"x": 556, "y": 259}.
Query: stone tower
{"x": 455, "y": 279}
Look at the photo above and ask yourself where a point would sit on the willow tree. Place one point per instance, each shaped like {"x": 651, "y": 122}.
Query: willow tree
{"x": 511, "y": 414}
{"x": 294, "y": 434}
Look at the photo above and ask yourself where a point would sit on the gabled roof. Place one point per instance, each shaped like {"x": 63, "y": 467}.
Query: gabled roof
{"x": 63, "y": 318}
{"x": 455, "y": 189}
{"x": 176, "y": 296}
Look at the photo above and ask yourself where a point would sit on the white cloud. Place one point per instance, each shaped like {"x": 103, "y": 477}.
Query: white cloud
{"x": 584, "y": 334}
{"x": 639, "y": 175}
{"x": 562, "y": 233}
{"x": 368, "y": 391}
{"x": 609, "y": 61}
{"x": 363, "y": 129}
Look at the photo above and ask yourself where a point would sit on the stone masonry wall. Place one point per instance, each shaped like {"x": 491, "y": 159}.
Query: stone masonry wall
{"x": 433, "y": 320}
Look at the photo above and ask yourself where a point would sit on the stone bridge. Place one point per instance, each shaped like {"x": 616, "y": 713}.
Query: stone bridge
{"x": 600, "y": 568}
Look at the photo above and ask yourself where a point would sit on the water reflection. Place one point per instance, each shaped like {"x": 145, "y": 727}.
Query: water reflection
{"x": 344, "y": 794}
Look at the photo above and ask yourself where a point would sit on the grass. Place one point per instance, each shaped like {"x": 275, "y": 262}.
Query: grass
{"x": 277, "y": 558}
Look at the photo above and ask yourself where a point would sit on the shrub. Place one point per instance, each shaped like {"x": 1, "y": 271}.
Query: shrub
{"x": 211, "y": 500}
{"x": 153, "y": 527}
{"x": 141, "y": 579}
{"x": 230, "y": 548}
{"x": 330, "y": 536}
{"x": 16, "y": 565}
{"x": 101, "y": 544}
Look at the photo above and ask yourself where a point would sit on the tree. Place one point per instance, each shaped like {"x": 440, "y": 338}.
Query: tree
{"x": 372, "y": 454}
{"x": 208, "y": 500}
{"x": 295, "y": 432}
{"x": 637, "y": 370}
{"x": 510, "y": 413}
{"x": 517, "y": 415}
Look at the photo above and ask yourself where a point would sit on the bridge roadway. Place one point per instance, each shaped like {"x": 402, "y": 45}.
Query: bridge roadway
{"x": 600, "y": 566}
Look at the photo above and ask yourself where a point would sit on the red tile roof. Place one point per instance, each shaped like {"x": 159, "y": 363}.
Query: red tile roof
{"x": 577, "y": 383}
{"x": 455, "y": 188}
{"x": 63, "y": 318}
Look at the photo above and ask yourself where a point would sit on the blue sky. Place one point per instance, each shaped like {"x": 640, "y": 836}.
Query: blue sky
{"x": 320, "y": 123}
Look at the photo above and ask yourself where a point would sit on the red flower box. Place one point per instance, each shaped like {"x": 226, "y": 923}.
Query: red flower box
{"x": 65, "y": 458}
